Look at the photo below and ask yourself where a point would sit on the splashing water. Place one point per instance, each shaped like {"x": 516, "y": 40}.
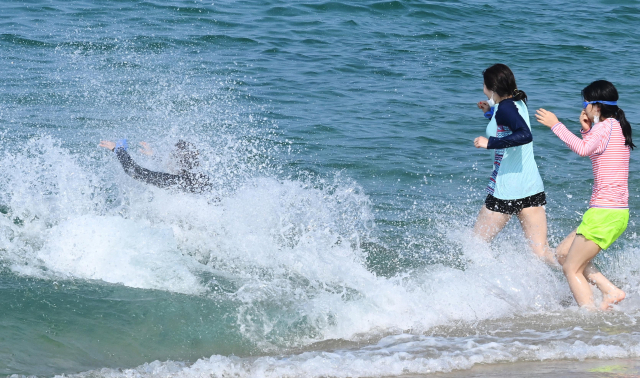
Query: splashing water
{"x": 336, "y": 240}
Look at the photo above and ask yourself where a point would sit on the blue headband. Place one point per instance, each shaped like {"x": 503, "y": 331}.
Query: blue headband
{"x": 585, "y": 103}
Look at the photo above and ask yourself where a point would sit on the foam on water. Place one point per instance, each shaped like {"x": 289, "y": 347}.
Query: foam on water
{"x": 290, "y": 252}
{"x": 119, "y": 250}
{"x": 399, "y": 355}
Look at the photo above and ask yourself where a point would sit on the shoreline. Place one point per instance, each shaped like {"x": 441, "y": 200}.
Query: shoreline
{"x": 624, "y": 367}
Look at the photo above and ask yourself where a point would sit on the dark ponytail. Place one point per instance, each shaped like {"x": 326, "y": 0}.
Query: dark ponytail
{"x": 519, "y": 95}
{"x": 626, "y": 128}
{"x": 605, "y": 91}
{"x": 499, "y": 79}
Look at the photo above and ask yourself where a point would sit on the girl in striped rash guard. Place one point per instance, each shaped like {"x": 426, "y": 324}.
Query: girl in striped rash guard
{"x": 606, "y": 139}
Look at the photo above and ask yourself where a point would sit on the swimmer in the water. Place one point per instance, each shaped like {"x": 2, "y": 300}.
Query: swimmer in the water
{"x": 184, "y": 158}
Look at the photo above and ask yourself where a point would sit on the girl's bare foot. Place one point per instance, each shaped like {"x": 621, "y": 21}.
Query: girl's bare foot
{"x": 615, "y": 296}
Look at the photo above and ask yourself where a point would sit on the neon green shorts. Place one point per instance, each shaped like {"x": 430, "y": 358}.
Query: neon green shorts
{"x": 603, "y": 226}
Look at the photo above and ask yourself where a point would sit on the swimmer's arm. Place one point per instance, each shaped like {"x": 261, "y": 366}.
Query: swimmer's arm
{"x": 520, "y": 133}
{"x": 159, "y": 179}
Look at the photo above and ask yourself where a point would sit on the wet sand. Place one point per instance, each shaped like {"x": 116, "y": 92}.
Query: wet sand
{"x": 542, "y": 369}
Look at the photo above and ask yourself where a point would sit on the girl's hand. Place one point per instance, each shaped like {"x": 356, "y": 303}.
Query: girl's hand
{"x": 109, "y": 145}
{"x": 480, "y": 142}
{"x": 546, "y": 118}
{"x": 584, "y": 121}
{"x": 146, "y": 149}
{"x": 484, "y": 106}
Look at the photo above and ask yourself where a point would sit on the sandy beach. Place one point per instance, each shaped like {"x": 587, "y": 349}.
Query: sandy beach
{"x": 547, "y": 369}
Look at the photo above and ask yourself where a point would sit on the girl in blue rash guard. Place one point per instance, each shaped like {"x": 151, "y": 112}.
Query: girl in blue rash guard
{"x": 515, "y": 186}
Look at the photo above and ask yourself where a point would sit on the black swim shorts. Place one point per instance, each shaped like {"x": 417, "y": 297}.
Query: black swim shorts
{"x": 514, "y": 206}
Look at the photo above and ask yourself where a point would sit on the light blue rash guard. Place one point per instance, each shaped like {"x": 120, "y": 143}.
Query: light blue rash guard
{"x": 515, "y": 173}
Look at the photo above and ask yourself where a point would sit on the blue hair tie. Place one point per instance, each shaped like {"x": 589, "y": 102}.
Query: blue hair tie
{"x": 585, "y": 103}
{"x": 122, "y": 143}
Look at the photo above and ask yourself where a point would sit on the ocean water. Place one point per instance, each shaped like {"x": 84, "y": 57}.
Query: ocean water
{"x": 339, "y": 138}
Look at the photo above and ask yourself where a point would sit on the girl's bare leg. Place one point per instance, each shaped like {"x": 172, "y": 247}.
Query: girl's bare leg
{"x": 611, "y": 294}
{"x": 563, "y": 248}
{"x": 534, "y": 224}
{"x": 581, "y": 252}
{"x": 489, "y": 223}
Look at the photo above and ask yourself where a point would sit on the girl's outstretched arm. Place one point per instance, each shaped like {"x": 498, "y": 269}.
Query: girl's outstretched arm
{"x": 591, "y": 139}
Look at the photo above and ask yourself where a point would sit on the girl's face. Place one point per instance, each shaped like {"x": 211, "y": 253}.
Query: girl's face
{"x": 486, "y": 90}
{"x": 592, "y": 110}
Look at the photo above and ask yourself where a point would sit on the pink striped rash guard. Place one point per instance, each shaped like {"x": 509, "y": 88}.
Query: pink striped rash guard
{"x": 604, "y": 144}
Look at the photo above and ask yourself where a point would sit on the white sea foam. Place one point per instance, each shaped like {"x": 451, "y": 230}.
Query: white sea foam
{"x": 286, "y": 243}
{"x": 119, "y": 250}
{"x": 292, "y": 251}
{"x": 397, "y": 355}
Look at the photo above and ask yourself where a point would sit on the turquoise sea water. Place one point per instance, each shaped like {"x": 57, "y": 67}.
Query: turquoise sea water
{"x": 339, "y": 137}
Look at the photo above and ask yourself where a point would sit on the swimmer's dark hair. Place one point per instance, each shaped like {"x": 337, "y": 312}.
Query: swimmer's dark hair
{"x": 605, "y": 91}
{"x": 499, "y": 79}
{"x": 187, "y": 155}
